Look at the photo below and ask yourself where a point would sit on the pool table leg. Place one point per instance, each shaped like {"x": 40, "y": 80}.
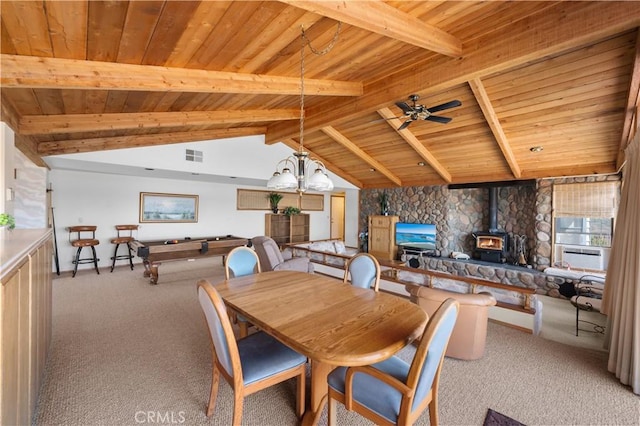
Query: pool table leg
{"x": 151, "y": 270}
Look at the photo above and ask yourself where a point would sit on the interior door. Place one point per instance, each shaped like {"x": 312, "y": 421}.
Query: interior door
{"x": 337, "y": 216}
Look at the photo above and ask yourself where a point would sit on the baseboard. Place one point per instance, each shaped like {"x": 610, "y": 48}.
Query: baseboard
{"x": 517, "y": 327}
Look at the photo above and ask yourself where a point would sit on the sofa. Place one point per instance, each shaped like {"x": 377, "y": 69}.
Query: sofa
{"x": 272, "y": 259}
{"x": 469, "y": 334}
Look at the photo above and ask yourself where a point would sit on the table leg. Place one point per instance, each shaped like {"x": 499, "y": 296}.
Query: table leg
{"x": 319, "y": 390}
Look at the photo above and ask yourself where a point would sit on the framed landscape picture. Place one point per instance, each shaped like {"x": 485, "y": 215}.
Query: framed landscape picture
{"x": 170, "y": 208}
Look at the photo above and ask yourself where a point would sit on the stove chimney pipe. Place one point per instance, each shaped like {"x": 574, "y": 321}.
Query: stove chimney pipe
{"x": 493, "y": 209}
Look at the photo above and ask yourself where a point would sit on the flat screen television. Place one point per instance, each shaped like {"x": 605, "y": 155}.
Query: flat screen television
{"x": 416, "y": 235}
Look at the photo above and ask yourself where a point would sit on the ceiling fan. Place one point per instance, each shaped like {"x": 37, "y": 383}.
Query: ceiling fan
{"x": 416, "y": 111}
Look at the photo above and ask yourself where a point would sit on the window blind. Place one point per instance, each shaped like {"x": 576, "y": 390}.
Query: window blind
{"x": 250, "y": 199}
{"x": 596, "y": 199}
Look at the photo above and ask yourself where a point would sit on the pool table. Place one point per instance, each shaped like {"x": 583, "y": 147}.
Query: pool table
{"x": 154, "y": 252}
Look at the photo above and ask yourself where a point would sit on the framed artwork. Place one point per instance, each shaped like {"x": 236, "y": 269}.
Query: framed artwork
{"x": 169, "y": 208}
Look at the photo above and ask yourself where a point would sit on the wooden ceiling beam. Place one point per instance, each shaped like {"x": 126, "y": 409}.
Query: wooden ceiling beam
{"x": 71, "y": 123}
{"x": 29, "y": 147}
{"x": 344, "y": 141}
{"x": 56, "y": 73}
{"x": 381, "y": 18}
{"x": 329, "y": 165}
{"x": 496, "y": 128}
{"x": 565, "y": 26}
{"x": 413, "y": 141}
{"x": 8, "y": 114}
{"x": 26, "y": 144}
{"x": 75, "y": 146}
{"x": 633, "y": 101}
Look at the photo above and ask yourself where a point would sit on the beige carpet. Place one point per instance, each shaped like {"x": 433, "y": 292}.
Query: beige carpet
{"x": 559, "y": 324}
{"x": 125, "y": 352}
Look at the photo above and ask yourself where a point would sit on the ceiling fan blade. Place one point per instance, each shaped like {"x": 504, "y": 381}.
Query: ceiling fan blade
{"x": 447, "y": 105}
{"x": 438, "y": 119}
{"x": 405, "y": 124}
{"x": 404, "y": 107}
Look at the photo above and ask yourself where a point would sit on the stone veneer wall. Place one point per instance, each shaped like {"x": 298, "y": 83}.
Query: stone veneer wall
{"x": 524, "y": 210}
{"x": 457, "y": 213}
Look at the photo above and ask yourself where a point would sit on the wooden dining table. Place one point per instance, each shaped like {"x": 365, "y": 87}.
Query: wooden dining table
{"x": 332, "y": 323}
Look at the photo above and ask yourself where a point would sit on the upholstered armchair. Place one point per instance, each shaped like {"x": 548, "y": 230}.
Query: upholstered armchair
{"x": 272, "y": 259}
{"x": 470, "y": 332}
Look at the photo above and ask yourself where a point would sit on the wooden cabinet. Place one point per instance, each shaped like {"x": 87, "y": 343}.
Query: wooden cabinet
{"x": 287, "y": 229}
{"x": 382, "y": 236}
{"x": 25, "y": 320}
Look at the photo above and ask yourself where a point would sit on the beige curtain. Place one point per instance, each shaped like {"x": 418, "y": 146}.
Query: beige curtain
{"x": 621, "y": 300}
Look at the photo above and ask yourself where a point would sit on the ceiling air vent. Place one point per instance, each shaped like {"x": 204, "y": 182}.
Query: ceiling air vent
{"x": 193, "y": 155}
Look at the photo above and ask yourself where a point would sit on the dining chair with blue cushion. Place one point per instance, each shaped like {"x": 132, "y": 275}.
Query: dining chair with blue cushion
{"x": 364, "y": 271}
{"x": 250, "y": 364}
{"x": 393, "y": 391}
{"x": 239, "y": 262}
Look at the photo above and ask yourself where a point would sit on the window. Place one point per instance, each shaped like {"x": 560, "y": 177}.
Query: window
{"x": 584, "y": 212}
{"x": 584, "y": 231}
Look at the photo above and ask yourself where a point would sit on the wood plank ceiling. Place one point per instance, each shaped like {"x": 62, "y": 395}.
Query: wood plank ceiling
{"x": 82, "y": 76}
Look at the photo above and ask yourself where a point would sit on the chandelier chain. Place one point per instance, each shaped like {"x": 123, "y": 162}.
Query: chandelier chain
{"x": 305, "y": 41}
{"x": 329, "y": 46}
{"x": 302, "y": 93}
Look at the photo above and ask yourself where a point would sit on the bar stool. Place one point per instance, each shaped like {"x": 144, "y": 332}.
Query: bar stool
{"x": 81, "y": 242}
{"x": 123, "y": 239}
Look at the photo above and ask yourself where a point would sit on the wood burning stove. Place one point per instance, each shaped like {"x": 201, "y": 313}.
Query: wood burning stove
{"x": 491, "y": 246}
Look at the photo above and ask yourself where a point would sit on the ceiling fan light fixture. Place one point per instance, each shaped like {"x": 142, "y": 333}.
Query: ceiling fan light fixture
{"x": 417, "y": 111}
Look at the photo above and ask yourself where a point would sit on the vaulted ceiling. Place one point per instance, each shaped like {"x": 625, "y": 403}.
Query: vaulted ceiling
{"x": 80, "y": 76}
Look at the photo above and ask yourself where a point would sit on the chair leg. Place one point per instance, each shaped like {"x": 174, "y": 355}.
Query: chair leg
{"x": 130, "y": 250}
{"x": 300, "y": 403}
{"x": 238, "y": 400}
{"x": 333, "y": 406}
{"x": 215, "y": 380}
{"x": 75, "y": 268}
{"x": 433, "y": 413}
{"x": 577, "y": 315}
{"x": 95, "y": 259}
{"x": 115, "y": 256}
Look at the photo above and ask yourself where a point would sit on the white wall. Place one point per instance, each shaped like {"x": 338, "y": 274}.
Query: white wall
{"x": 106, "y": 200}
{"x": 6, "y": 161}
{"x": 30, "y": 205}
{"x": 247, "y": 159}
{"x": 23, "y": 184}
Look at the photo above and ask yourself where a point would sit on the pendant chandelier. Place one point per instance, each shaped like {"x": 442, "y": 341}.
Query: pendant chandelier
{"x": 293, "y": 171}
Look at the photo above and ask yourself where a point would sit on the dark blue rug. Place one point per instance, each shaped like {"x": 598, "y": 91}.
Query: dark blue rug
{"x": 493, "y": 418}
